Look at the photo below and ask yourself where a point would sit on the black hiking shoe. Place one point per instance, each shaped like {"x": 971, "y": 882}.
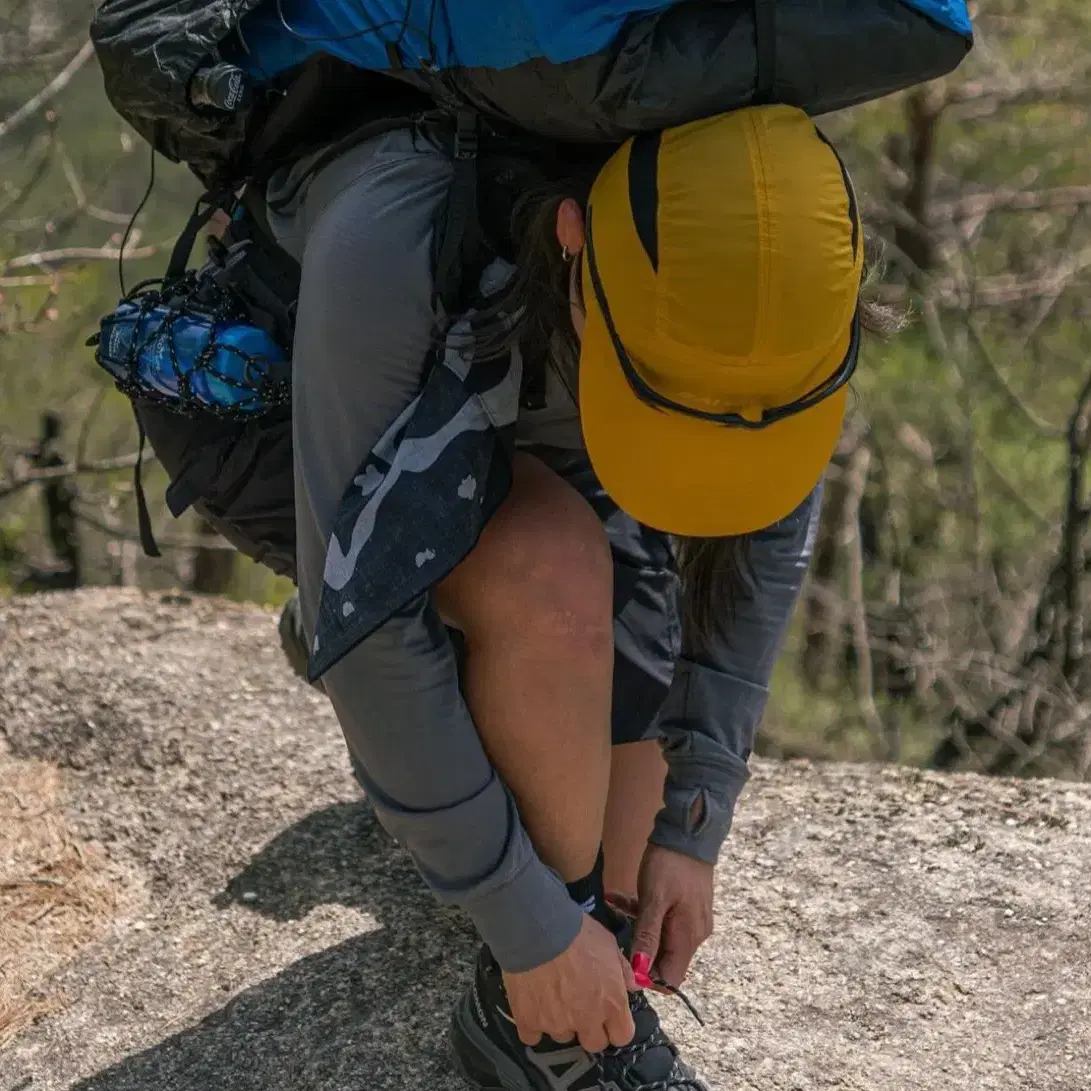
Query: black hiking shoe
{"x": 491, "y": 1057}
{"x": 650, "y": 1061}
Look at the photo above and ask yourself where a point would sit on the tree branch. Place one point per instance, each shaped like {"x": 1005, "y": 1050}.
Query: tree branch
{"x": 42, "y": 280}
{"x": 22, "y": 479}
{"x": 73, "y": 255}
{"x": 79, "y": 192}
{"x": 1073, "y": 529}
{"x": 51, "y": 90}
{"x": 976, "y": 99}
{"x": 1012, "y": 200}
{"x": 996, "y": 291}
{"x": 856, "y": 481}
{"x": 113, "y": 531}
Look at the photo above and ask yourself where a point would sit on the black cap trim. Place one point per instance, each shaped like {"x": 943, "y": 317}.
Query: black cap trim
{"x": 850, "y": 189}
{"x": 644, "y": 192}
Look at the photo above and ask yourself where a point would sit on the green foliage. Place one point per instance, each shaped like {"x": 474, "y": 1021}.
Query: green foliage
{"x": 828, "y": 726}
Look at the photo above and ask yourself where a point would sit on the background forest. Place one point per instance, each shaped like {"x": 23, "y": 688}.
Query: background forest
{"x": 946, "y": 621}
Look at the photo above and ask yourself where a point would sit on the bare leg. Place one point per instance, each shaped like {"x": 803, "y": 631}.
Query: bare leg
{"x": 534, "y": 601}
{"x": 637, "y": 772}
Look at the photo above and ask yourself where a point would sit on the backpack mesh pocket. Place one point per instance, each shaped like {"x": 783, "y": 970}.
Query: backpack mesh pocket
{"x": 191, "y": 345}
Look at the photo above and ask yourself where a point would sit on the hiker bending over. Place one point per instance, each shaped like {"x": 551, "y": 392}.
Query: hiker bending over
{"x": 696, "y": 312}
{"x": 554, "y": 488}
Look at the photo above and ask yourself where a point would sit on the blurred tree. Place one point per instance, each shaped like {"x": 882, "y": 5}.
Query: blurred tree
{"x": 71, "y": 177}
{"x": 969, "y": 619}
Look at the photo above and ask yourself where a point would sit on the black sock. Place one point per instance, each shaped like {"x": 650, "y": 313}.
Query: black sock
{"x": 590, "y": 894}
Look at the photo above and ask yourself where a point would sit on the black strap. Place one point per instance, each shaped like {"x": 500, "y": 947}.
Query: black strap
{"x": 765, "y": 42}
{"x": 144, "y": 520}
{"x": 460, "y": 245}
{"x": 644, "y": 191}
{"x": 183, "y": 248}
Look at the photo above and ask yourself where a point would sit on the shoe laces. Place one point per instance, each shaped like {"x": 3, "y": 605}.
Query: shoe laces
{"x": 659, "y": 983}
{"x": 630, "y": 1056}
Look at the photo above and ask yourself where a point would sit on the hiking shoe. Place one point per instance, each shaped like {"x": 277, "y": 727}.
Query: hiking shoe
{"x": 491, "y": 1057}
{"x": 488, "y": 1050}
{"x": 650, "y": 1062}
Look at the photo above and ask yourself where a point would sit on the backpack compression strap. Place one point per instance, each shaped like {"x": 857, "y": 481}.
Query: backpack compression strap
{"x": 765, "y": 42}
{"x": 208, "y": 204}
{"x": 460, "y": 249}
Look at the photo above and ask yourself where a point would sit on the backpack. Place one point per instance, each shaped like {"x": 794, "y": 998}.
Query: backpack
{"x": 607, "y": 70}
{"x": 507, "y": 125}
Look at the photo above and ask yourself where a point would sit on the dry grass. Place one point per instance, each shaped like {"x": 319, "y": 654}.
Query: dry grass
{"x": 55, "y": 894}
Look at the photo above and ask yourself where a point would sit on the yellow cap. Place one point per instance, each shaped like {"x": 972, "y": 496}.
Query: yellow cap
{"x": 721, "y": 276}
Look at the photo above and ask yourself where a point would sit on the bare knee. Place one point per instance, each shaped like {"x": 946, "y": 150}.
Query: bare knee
{"x": 542, "y": 570}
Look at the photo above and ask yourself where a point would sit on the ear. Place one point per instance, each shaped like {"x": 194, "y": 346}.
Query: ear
{"x": 570, "y": 226}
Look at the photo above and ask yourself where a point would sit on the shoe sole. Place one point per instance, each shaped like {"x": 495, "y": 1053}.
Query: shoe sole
{"x": 480, "y": 1063}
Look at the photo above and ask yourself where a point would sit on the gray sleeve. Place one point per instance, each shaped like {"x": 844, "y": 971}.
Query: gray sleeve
{"x": 718, "y": 696}
{"x": 365, "y": 324}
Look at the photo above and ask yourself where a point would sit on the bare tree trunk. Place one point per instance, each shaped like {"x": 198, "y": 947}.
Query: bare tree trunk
{"x": 823, "y": 646}
{"x": 1055, "y": 656}
{"x": 123, "y": 556}
{"x": 855, "y": 483}
{"x": 821, "y": 618}
{"x": 65, "y": 571}
{"x": 923, "y": 110}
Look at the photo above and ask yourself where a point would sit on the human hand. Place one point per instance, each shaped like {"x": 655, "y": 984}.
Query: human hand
{"x": 672, "y": 913}
{"x": 583, "y": 993}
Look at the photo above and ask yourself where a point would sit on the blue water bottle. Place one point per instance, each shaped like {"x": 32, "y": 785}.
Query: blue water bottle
{"x": 230, "y": 365}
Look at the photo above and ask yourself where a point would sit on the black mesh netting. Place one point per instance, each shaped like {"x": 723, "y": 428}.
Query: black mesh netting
{"x": 193, "y": 346}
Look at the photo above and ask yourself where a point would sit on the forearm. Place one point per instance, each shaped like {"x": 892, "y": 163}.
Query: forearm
{"x": 708, "y": 723}
{"x": 719, "y": 692}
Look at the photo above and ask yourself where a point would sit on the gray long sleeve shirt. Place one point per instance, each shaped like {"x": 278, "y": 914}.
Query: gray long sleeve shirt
{"x": 367, "y": 416}
{"x": 718, "y": 694}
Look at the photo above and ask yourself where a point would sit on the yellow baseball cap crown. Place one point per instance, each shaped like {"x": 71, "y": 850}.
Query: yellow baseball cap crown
{"x": 721, "y": 276}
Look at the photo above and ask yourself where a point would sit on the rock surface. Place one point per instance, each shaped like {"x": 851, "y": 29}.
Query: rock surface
{"x": 878, "y": 929}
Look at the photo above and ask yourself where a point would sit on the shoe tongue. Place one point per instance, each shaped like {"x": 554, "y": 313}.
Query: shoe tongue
{"x": 657, "y": 1064}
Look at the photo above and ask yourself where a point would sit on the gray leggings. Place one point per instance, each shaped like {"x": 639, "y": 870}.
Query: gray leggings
{"x": 363, "y": 230}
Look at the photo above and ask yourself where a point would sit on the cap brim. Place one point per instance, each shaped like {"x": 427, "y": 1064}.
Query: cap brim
{"x": 690, "y": 477}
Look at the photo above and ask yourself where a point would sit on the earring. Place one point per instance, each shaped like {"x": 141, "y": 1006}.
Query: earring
{"x": 566, "y": 256}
